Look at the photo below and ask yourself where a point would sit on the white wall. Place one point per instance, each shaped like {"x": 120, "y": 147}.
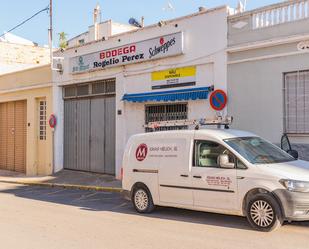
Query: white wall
{"x": 205, "y": 41}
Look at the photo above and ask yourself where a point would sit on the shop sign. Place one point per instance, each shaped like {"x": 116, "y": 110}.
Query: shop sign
{"x": 155, "y": 48}
{"x": 174, "y": 77}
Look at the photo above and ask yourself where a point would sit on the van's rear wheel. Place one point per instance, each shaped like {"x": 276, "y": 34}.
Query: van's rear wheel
{"x": 142, "y": 200}
{"x": 263, "y": 213}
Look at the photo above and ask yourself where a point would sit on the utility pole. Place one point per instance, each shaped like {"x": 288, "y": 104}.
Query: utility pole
{"x": 50, "y": 32}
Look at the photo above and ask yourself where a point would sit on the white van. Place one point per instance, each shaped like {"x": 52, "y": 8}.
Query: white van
{"x": 216, "y": 170}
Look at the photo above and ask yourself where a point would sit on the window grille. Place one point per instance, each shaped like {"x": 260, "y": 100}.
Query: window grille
{"x": 296, "y": 102}
{"x": 42, "y": 120}
{"x": 94, "y": 88}
{"x": 70, "y": 91}
{"x": 82, "y": 90}
{"x": 166, "y": 112}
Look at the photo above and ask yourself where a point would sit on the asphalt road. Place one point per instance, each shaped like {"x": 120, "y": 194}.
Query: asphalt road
{"x": 38, "y": 217}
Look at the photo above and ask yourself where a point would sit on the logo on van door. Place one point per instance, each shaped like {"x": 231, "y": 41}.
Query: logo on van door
{"x": 141, "y": 152}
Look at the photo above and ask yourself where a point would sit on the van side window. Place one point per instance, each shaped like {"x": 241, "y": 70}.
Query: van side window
{"x": 206, "y": 153}
{"x": 241, "y": 165}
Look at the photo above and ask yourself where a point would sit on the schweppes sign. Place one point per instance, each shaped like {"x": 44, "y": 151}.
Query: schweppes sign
{"x": 151, "y": 49}
{"x": 174, "y": 77}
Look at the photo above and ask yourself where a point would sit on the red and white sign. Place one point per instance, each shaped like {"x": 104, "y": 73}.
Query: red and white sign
{"x": 141, "y": 152}
{"x": 52, "y": 121}
{"x": 155, "y": 48}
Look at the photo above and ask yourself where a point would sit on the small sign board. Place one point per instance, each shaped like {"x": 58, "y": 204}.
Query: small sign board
{"x": 218, "y": 100}
{"x": 174, "y": 77}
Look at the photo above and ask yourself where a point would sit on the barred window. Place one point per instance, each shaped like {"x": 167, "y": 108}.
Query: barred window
{"x": 42, "y": 120}
{"x": 94, "y": 88}
{"x": 296, "y": 102}
{"x": 166, "y": 112}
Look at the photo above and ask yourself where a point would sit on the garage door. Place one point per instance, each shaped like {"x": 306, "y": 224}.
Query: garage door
{"x": 13, "y": 131}
{"x": 89, "y": 127}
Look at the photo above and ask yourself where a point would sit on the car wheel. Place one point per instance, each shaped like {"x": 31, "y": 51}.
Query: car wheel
{"x": 142, "y": 200}
{"x": 263, "y": 213}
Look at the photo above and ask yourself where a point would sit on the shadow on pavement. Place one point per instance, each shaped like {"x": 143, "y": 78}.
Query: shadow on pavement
{"x": 113, "y": 202}
{"x": 69, "y": 177}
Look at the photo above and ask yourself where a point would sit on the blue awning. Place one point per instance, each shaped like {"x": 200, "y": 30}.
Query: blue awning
{"x": 175, "y": 95}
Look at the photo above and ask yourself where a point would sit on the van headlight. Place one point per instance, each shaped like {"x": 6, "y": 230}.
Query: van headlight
{"x": 295, "y": 186}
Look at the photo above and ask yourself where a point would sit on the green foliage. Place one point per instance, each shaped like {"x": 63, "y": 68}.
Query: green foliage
{"x": 63, "y": 40}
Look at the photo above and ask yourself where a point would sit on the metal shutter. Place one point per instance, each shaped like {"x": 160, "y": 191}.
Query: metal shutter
{"x": 89, "y": 126}
{"x": 3, "y": 136}
{"x": 20, "y": 136}
{"x": 13, "y": 136}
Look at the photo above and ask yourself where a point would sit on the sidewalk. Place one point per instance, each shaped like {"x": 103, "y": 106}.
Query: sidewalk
{"x": 66, "y": 179}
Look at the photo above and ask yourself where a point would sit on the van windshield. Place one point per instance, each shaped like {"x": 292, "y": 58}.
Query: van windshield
{"x": 258, "y": 151}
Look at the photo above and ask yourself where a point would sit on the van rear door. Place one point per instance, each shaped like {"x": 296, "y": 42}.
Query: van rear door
{"x": 174, "y": 173}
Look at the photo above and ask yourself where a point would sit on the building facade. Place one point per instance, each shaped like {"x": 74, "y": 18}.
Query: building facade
{"x": 109, "y": 89}
{"x": 100, "y": 30}
{"x": 25, "y": 105}
{"x": 268, "y": 72}
{"x": 17, "y": 53}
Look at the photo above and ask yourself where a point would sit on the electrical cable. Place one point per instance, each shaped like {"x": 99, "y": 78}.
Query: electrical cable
{"x": 28, "y": 19}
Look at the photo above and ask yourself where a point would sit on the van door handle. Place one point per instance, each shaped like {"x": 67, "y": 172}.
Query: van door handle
{"x": 198, "y": 177}
{"x": 184, "y": 175}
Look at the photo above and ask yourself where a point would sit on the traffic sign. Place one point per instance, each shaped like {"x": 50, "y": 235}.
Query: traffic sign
{"x": 52, "y": 121}
{"x": 218, "y": 100}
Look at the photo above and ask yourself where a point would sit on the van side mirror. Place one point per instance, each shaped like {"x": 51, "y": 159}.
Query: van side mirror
{"x": 285, "y": 143}
{"x": 286, "y": 146}
{"x": 293, "y": 153}
{"x": 223, "y": 161}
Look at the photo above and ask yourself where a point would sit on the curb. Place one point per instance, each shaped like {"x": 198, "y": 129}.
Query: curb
{"x": 67, "y": 186}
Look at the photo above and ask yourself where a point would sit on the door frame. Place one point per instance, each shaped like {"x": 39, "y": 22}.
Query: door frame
{"x": 90, "y": 98}
{"x": 201, "y": 181}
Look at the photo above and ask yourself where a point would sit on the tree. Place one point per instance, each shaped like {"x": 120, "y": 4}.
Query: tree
{"x": 63, "y": 40}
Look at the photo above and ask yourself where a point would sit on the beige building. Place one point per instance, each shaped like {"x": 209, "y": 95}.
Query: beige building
{"x": 17, "y": 53}
{"x": 25, "y": 105}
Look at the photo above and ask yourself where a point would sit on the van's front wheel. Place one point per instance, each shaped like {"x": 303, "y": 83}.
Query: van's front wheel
{"x": 142, "y": 200}
{"x": 263, "y": 213}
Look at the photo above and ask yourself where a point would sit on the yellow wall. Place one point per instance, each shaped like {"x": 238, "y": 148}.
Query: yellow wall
{"x": 30, "y": 85}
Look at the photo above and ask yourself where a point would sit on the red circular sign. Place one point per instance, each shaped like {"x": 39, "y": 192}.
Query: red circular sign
{"x": 161, "y": 40}
{"x": 218, "y": 100}
{"x": 52, "y": 121}
{"x": 141, "y": 152}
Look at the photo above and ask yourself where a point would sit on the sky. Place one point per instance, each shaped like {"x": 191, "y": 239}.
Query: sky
{"x": 74, "y": 16}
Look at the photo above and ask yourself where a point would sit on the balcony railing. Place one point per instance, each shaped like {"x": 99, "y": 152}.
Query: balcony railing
{"x": 289, "y": 11}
